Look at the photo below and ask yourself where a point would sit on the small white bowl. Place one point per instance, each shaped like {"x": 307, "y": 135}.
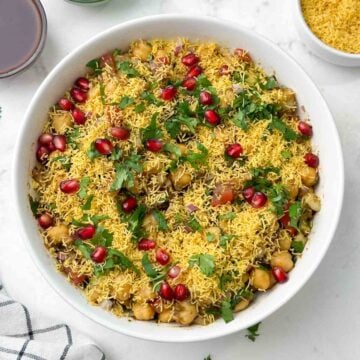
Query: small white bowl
{"x": 272, "y": 58}
{"x": 318, "y": 47}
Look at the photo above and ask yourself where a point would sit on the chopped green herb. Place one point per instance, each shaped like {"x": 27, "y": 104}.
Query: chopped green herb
{"x": 151, "y": 98}
{"x": 102, "y": 237}
{"x": 286, "y": 154}
{"x": 87, "y": 205}
{"x": 172, "y": 149}
{"x": 253, "y": 332}
{"x": 210, "y": 237}
{"x": 122, "y": 260}
{"x": 127, "y": 68}
{"x": 279, "y": 197}
{"x": 271, "y": 83}
{"x": 288, "y": 133}
{"x": 194, "y": 224}
{"x": 64, "y": 161}
{"x": 124, "y": 174}
{"x": 240, "y": 121}
{"x": 295, "y": 212}
{"x": 173, "y": 125}
{"x": 197, "y": 159}
{"x": 94, "y": 65}
{"x": 264, "y": 171}
{"x": 92, "y": 153}
{"x": 84, "y": 183}
{"x": 205, "y": 262}
{"x": 226, "y": 311}
{"x": 152, "y": 131}
{"x": 224, "y": 278}
{"x": 139, "y": 108}
{"x": 125, "y": 102}
{"x": 228, "y": 216}
{"x": 34, "y": 205}
{"x": 71, "y": 137}
{"x": 224, "y": 239}
{"x": 156, "y": 276}
{"x": 116, "y": 154}
{"x": 84, "y": 248}
{"x": 297, "y": 246}
{"x": 86, "y": 219}
{"x": 135, "y": 221}
{"x": 160, "y": 219}
{"x": 102, "y": 93}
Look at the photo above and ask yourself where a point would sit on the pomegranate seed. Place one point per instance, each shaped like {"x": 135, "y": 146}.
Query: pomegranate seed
{"x": 234, "y": 150}
{"x": 168, "y": 93}
{"x": 120, "y": 133}
{"x": 305, "y": 128}
{"x": 78, "y": 116}
{"x": 99, "y": 254}
{"x": 311, "y": 160}
{"x": 69, "y": 186}
{"x": 86, "y": 232}
{"x": 146, "y": 244}
{"x": 45, "y": 139}
{"x": 224, "y": 70}
{"x": 285, "y": 220}
{"x": 212, "y": 117}
{"x": 83, "y": 83}
{"x": 77, "y": 279}
{"x": 166, "y": 292}
{"x": 107, "y": 59}
{"x": 45, "y": 220}
{"x": 181, "y": 292}
{"x": 279, "y": 274}
{"x": 194, "y": 71}
{"x": 162, "y": 257}
{"x": 258, "y": 200}
{"x": 174, "y": 271}
{"x": 42, "y": 153}
{"x": 190, "y": 60}
{"x": 129, "y": 204}
{"x": 189, "y": 83}
{"x": 104, "y": 146}
{"x": 292, "y": 231}
{"x": 249, "y": 193}
{"x": 154, "y": 145}
{"x": 60, "y": 142}
{"x": 78, "y": 95}
{"x": 243, "y": 55}
{"x": 205, "y": 98}
{"x": 65, "y": 104}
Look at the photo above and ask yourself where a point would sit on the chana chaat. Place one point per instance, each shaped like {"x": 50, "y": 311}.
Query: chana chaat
{"x": 175, "y": 181}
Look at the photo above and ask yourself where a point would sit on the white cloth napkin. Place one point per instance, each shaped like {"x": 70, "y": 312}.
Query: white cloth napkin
{"x": 25, "y": 335}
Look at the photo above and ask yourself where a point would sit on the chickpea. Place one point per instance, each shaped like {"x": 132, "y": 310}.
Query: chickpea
{"x": 59, "y": 234}
{"x": 260, "y": 279}
{"x": 312, "y": 201}
{"x": 293, "y": 189}
{"x": 285, "y": 243}
{"x": 150, "y": 224}
{"x": 143, "y": 312}
{"x": 123, "y": 293}
{"x": 142, "y": 50}
{"x": 166, "y": 316}
{"x": 305, "y": 222}
{"x": 146, "y": 293}
{"x": 61, "y": 122}
{"x": 309, "y": 176}
{"x": 241, "y": 305}
{"x": 289, "y": 98}
{"x": 213, "y": 233}
{"x": 200, "y": 320}
{"x": 185, "y": 313}
{"x": 282, "y": 259}
{"x": 180, "y": 179}
{"x": 183, "y": 151}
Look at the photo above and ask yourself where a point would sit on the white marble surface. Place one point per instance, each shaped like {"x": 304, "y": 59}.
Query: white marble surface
{"x": 323, "y": 320}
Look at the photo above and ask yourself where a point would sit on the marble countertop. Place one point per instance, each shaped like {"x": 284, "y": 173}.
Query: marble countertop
{"x": 323, "y": 320}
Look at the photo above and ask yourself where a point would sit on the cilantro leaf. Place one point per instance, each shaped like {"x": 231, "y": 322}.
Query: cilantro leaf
{"x": 288, "y": 133}
{"x": 122, "y": 260}
{"x": 127, "y": 68}
{"x": 123, "y": 172}
{"x": 210, "y": 237}
{"x": 160, "y": 219}
{"x": 71, "y": 137}
{"x": 240, "y": 121}
{"x": 135, "y": 221}
{"x": 152, "y": 131}
{"x": 271, "y": 83}
{"x": 253, "y": 332}
{"x": 173, "y": 125}
{"x": 94, "y": 65}
{"x": 116, "y": 154}
{"x": 228, "y": 216}
{"x": 34, "y": 205}
{"x": 295, "y": 212}
{"x": 173, "y": 149}
{"x": 224, "y": 239}
{"x": 197, "y": 159}
{"x": 64, "y": 161}
{"x": 205, "y": 262}
{"x": 102, "y": 93}
{"x": 286, "y": 154}
{"x": 84, "y": 183}
{"x": 194, "y": 224}
{"x": 92, "y": 153}
{"x": 224, "y": 278}
{"x": 84, "y": 248}
{"x": 279, "y": 197}
{"x": 155, "y": 276}
{"x": 125, "y": 102}
{"x": 151, "y": 98}
{"x": 87, "y": 205}
{"x": 139, "y": 108}
{"x": 102, "y": 237}
{"x": 226, "y": 311}
{"x": 297, "y": 246}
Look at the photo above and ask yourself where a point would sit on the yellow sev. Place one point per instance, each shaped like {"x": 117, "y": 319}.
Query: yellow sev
{"x": 335, "y": 22}
{"x": 256, "y": 231}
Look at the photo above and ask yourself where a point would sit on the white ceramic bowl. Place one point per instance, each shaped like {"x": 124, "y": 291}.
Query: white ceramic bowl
{"x": 288, "y": 72}
{"x": 318, "y": 47}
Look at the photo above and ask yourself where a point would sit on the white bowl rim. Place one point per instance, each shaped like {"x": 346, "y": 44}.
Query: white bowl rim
{"x": 230, "y": 327}
{"x": 319, "y": 42}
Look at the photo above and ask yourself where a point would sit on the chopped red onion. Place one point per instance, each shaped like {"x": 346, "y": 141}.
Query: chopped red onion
{"x": 192, "y": 208}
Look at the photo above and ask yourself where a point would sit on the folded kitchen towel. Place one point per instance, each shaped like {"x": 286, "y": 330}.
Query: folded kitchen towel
{"x": 25, "y": 335}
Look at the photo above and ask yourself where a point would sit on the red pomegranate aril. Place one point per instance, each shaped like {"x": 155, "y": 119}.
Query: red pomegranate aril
{"x": 190, "y": 59}
{"x": 83, "y": 83}
{"x": 194, "y": 71}
{"x": 292, "y": 231}
{"x": 78, "y": 95}
{"x": 59, "y": 142}
{"x": 258, "y": 200}
{"x": 99, "y": 254}
{"x": 86, "y": 232}
{"x": 279, "y": 274}
{"x": 45, "y": 220}
{"x": 174, "y": 271}
{"x": 189, "y": 83}
{"x": 224, "y": 70}
{"x": 181, "y": 292}
{"x": 77, "y": 279}
{"x": 162, "y": 257}
{"x": 129, "y": 204}
{"x": 107, "y": 59}
{"x": 311, "y": 160}
{"x": 223, "y": 194}
{"x": 234, "y": 150}
{"x": 45, "y": 139}
{"x": 65, "y": 104}
{"x": 285, "y": 220}
{"x": 104, "y": 146}
{"x": 42, "y": 153}
{"x": 249, "y": 193}
{"x": 205, "y": 98}
{"x": 154, "y": 145}
{"x": 305, "y": 128}
{"x": 78, "y": 116}
{"x": 146, "y": 244}
{"x": 212, "y": 117}
{"x": 120, "y": 133}
{"x": 166, "y": 292}
{"x": 168, "y": 93}
{"x": 243, "y": 55}
{"x": 69, "y": 186}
